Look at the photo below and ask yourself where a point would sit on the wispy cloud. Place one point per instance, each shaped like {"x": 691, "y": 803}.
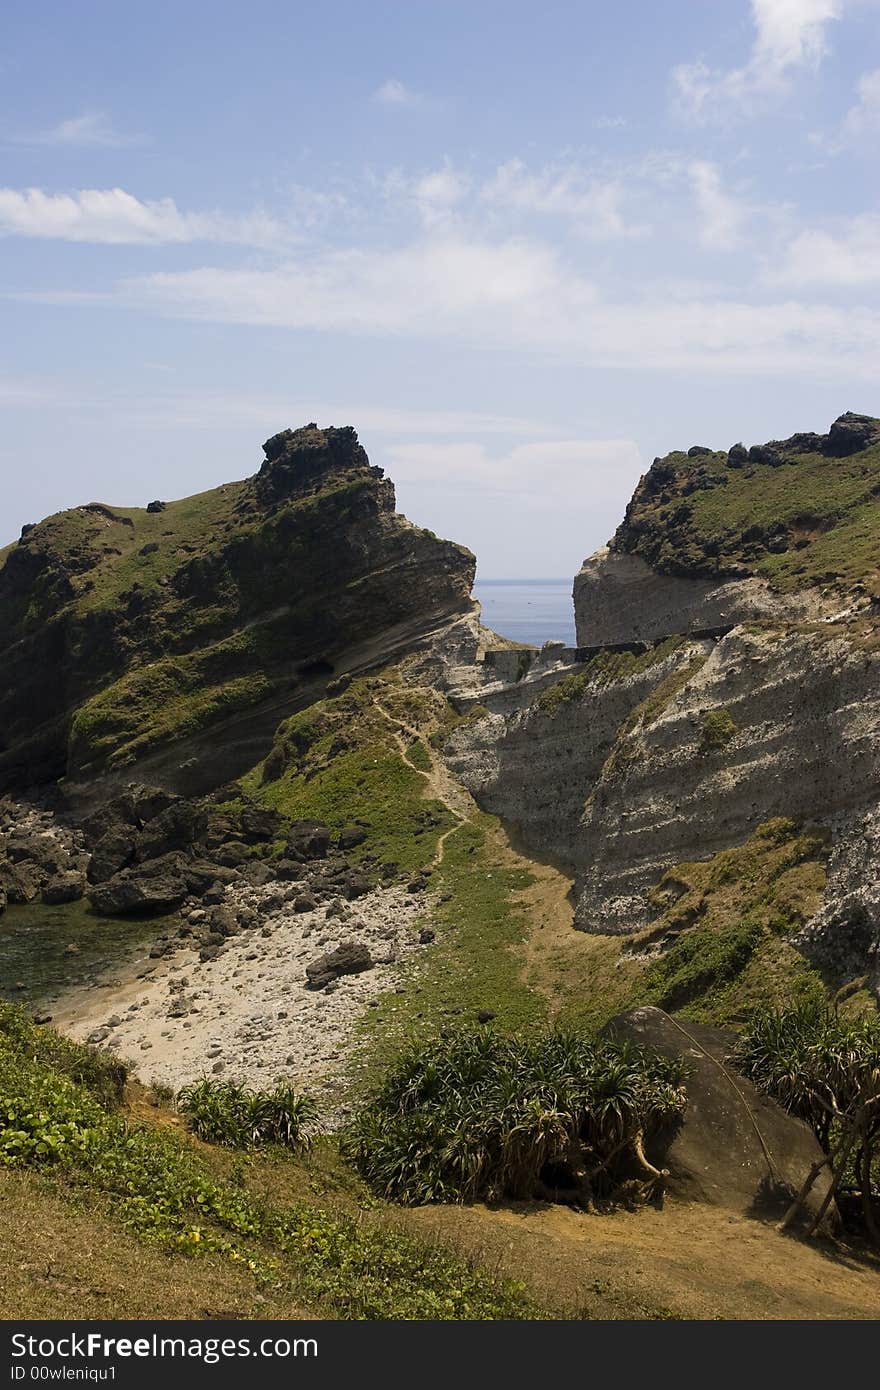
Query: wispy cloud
{"x": 848, "y": 257}
{"x": 722, "y": 217}
{"x": 92, "y": 129}
{"x": 864, "y": 116}
{"x": 789, "y": 35}
{"x": 111, "y": 216}
{"x": 515, "y": 296}
{"x": 393, "y": 92}
{"x": 538, "y": 470}
{"x": 561, "y": 190}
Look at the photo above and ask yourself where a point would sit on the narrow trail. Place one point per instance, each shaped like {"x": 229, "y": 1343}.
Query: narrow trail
{"x": 439, "y": 782}
{"x": 547, "y": 899}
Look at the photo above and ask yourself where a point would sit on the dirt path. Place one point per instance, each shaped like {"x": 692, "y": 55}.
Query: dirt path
{"x": 547, "y": 900}
{"x": 440, "y": 785}
{"x": 688, "y": 1260}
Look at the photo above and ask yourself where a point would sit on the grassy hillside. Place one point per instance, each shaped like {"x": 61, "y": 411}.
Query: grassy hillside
{"x": 159, "y": 623}
{"x": 795, "y": 511}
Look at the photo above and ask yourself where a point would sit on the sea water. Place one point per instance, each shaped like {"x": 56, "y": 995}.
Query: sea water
{"x": 528, "y": 610}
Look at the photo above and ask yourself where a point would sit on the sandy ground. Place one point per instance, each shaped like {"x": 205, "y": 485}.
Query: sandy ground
{"x": 247, "y": 1015}
{"x": 688, "y": 1260}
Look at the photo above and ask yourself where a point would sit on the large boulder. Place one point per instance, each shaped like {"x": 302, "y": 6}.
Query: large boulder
{"x": 735, "y": 1147}
{"x": 66, "y": 887}
{"x": 308, "y": 839}
{"x": 148, "y": 889}
{"x": 348, "y": 959}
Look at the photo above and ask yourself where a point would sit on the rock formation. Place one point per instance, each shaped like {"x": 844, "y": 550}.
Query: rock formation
{"x": 125, "y": 633}
{"x": 755, "y": 693}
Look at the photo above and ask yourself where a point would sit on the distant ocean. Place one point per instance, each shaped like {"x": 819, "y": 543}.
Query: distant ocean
{"x": 528, "y": 610}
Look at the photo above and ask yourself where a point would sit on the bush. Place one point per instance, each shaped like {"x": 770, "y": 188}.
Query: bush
{"x": 482, "y": 1115}
{"x": 827, "y": 1071}
{"x": 718, "y": 730}
{"x": 222, "y": 1112}
{"x": 21, "y": 1040}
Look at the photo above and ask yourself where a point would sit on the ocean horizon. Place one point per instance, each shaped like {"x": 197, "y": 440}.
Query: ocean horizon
{"x": 528, "y": 610}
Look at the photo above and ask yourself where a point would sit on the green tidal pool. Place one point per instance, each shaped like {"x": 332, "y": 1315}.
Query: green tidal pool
{"x": 35, "y": 942}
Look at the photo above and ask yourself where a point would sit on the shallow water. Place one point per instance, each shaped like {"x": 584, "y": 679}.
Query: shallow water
{"x": 33, "y": 947}
{"x": 528, "y": 610}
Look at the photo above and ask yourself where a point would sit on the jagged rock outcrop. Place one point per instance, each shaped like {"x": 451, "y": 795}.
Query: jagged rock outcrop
{"x": 126, "y": 632}
{"x": 620, "y": 598}
{"x": 712, "y": 539}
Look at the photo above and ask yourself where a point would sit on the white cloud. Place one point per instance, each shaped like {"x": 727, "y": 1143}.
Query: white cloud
{"x": 850, "y": 258}
{"x": 437, "y": 194}
{"x": 516, "y": 296}
{"x": 789, "y": 34}
{"x": 91, "y": 129}
{"x": 602, "y": 468}
{"x": 393, "y": 92}
{"x": 446, "y": 285}
{"x": 864, "y": 116}
{"x": 560, "y": 191}
{"x": 111, "y": 216}
{"x": 722, "y": 217}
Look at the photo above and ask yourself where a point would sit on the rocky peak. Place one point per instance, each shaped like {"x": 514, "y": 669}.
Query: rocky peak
{"x": 299, "y": 461}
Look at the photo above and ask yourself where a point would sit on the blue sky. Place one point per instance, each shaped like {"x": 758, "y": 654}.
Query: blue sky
{"x": 522, "y": 249}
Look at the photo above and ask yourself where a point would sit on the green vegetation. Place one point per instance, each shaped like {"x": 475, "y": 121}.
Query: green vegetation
{"x": 339, "y": 761}
{"x": 716, "y": 948}
{"x": 223, "y": 1112}
{"x": 156, "y": 1185}
{"x": 475, "y": 962}
{"x": 826, "y": 1070}
{"x": 605, "y": 668}
{"x": 801, "y": 519}
{"x": 480, "y": 1115}
{"x": 717, "y": 731}
{"x": 700, "y": 963}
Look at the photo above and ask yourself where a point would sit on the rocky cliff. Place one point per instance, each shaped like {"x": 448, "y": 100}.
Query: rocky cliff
{"x": 752, "y": 579}
{"x": 711, "y": 539}
{"x": 177, "y": 636}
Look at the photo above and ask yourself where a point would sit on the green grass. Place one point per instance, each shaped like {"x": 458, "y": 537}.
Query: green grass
{"x": 474, "y": 964}
{"x": 810, "y": 520}
{"x": 605, "y": 668}
{"x": 717, "y": 731}
{"x": 160, "y": 1188}
{"x": 339, "y": 762}
{"x": 716, "y": 948}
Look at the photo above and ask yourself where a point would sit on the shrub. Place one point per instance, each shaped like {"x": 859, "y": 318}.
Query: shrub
{"x": 223, "y": 1112}
{"x": 826, "y": 1070}
{"x": 482, "y": 1115}
{"x": 22, "y": 1041}
{"x": 718, "y": 730}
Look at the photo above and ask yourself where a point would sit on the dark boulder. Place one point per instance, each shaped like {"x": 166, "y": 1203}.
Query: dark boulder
{"x": 67, "y": 887}
{"x": 352, "y": 884}
{"x": 141, "y": 891}
{"x": 113, "y": 852}
{"x": 350, "y": 836}
{"x": 308, "y": 839}
{"x": 735, "y": 1147}
{"x": 350, "y": 958}
{"x": 20, "y": 882}
{"x": 256, "y": 824}
{"x": 257, "y": 874}
{"x": 154, "y": 507}
{"x": 177, "y": 827}
{"x": 851, "y": 433}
